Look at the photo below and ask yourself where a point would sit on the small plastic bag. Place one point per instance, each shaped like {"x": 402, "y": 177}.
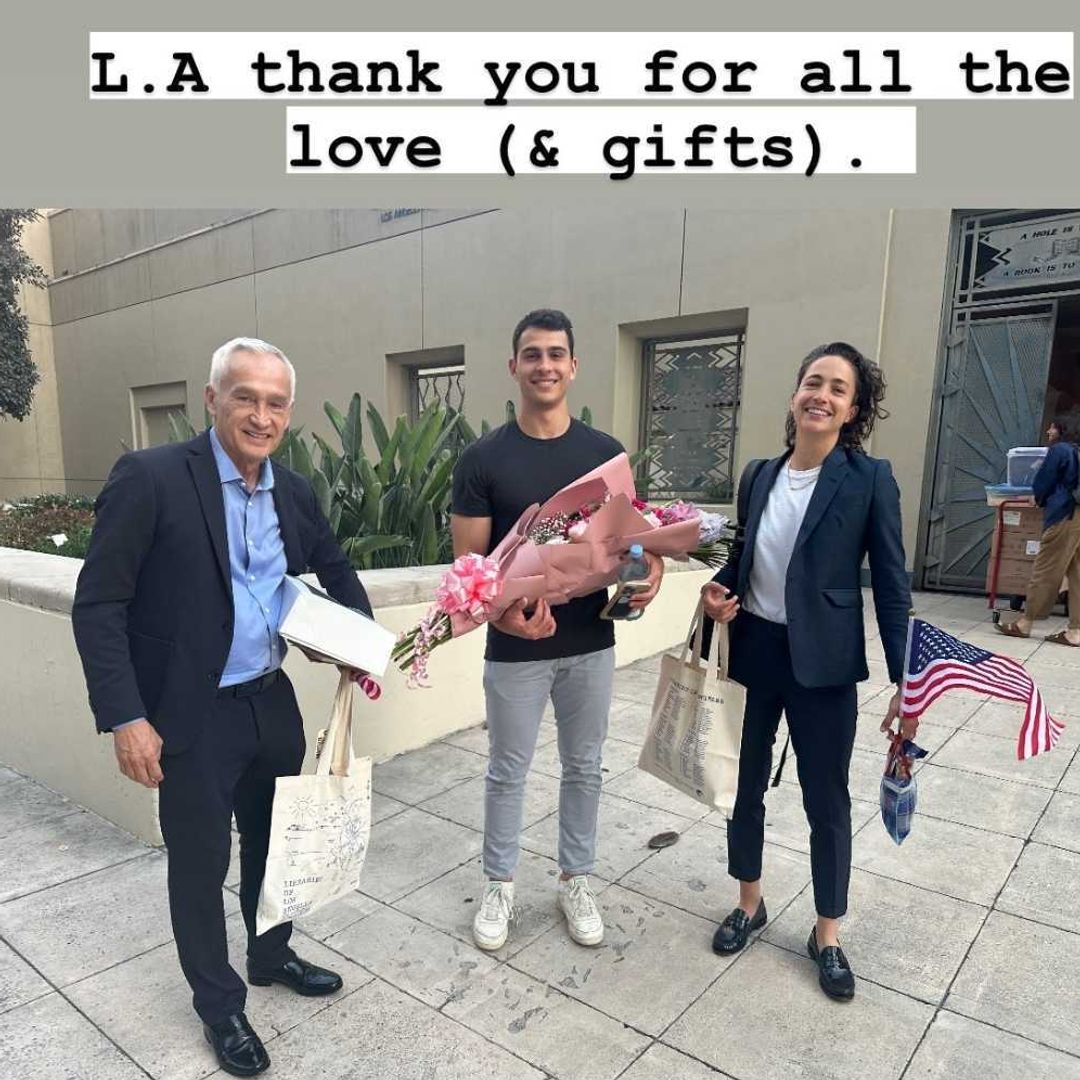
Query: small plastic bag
{"x": 898, "y": 792}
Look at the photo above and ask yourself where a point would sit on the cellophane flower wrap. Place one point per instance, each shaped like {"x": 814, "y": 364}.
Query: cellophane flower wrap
{"x": 572, "y": 545}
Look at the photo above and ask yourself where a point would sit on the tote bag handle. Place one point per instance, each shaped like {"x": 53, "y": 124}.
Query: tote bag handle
{"x": 716, "y": 663}
{"x": 337, "y": 751}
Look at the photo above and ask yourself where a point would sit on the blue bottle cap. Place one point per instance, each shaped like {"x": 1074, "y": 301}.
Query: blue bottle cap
{"x": 636, "y": 551}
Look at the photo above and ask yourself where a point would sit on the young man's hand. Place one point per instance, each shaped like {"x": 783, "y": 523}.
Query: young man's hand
{"x": 656, "y": 575}
{"x": 541, "y": 624}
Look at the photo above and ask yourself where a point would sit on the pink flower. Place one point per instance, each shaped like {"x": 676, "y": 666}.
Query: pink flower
{"x": 469, "y": 586}
{"x": 680, "y": 511}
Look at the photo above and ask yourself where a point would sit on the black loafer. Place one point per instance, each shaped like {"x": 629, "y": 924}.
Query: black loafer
{"x": 298, "y": 975}
{"x": 834, "y": 972}
{"x": 239, "y": 1050}
{"x": 732, "y": 933}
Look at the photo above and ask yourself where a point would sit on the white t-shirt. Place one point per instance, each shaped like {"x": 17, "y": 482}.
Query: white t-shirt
{"x": 775, "y": 541}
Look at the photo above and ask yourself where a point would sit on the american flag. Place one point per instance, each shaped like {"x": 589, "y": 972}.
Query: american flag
{"x": 937, "y": 662}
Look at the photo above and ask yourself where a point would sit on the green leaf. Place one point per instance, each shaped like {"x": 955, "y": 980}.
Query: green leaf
{"x": 369, "y": 514}
{"x": 378, "y": 428}
{"x": 336, "y": 417}
{"x": 428, "y": 434}
{"x": 428, "y": 547}
{"x": 359, "y": 549}
{"x": 466, "y": 431}
{"x": 321, "y": 487}
{"x": 436, "y": 488}
{"x": 302, "y": 462}
{"x": 352, "y": 438}
{"x": 386, "y": 467}
{"x": 330, "y": 460}
{"x": 586, "y": 415}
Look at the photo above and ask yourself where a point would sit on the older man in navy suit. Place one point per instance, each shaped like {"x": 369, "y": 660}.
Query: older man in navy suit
{"x": 176, "y": 619}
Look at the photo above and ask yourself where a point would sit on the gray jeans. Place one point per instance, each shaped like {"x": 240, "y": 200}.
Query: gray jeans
{"x": 580, "y": 689}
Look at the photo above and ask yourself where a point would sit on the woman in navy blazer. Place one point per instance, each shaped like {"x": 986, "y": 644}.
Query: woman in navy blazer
{"x": 797, "y": 637}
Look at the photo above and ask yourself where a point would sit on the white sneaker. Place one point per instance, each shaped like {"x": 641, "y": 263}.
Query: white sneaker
{"x": 492, "y": 922}
{"x": 582, "y": 915}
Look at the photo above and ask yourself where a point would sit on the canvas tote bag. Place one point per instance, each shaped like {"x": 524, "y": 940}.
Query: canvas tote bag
{"x": 320, "y": 826}
{"x": 695, "y": 733}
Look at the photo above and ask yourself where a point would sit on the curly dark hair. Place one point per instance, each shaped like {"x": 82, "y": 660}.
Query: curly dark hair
{"x": 869, "y": 394}
{"x": 1065, "y": 428}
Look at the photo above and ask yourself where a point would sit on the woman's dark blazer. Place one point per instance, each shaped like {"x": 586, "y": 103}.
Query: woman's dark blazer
{"x": 854, "y": 512}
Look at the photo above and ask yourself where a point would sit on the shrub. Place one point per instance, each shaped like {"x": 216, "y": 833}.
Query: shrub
{"x": 30, "y": 523}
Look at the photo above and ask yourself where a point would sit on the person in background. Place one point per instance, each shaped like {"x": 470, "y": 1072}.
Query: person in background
{"x": 1059, "y": 548}
{"x": 798, "y": 640}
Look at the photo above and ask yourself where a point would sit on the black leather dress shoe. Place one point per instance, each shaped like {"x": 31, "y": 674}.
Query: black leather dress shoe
{"x": 834, "y": 972}
{"x": 298, "y": 975}
{"x": 732, "y": 933}
{"x": 239, "y": 1050}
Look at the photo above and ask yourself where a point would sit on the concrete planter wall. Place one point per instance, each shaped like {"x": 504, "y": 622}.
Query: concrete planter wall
{"x": 47, "y": 731}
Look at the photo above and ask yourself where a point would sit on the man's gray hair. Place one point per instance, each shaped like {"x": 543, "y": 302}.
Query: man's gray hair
{"x": 222, "y": 358}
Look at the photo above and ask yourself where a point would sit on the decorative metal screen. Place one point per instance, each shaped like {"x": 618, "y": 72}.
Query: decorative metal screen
{"x": 444, "y": 385}
{"x": 992, "y": 399}
{"x": 689, "y": 417}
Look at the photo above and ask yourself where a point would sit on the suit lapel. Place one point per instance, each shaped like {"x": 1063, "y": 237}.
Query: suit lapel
{"x": 208, "y": 487}
{"x": 286, "y": 513}
{"x": 834, "y": 471}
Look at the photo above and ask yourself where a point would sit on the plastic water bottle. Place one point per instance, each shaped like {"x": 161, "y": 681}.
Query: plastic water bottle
{"x": 635, "y": 569}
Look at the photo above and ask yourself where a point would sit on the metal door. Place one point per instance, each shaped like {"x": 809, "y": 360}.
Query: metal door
{"x": 991, "y": 399}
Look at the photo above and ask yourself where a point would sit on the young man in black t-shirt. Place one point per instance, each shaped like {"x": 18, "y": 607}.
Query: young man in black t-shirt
{"x": 536, "y": 652}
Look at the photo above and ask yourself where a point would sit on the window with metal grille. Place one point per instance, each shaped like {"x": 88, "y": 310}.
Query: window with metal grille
{"x": 690, "y": 412}
{"x": 443, "y": 385}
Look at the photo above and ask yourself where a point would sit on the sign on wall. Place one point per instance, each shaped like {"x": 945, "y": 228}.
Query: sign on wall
{"x": 1031, "y": 253}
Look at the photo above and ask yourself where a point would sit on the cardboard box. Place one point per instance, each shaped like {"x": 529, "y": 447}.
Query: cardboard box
{"x": 333, "y": 632}
{"x": 1020, "y": 533}
{"x": 1013, "y": 576}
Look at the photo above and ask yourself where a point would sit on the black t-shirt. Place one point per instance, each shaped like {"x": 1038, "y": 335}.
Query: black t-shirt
{"x": 500, "y": 476}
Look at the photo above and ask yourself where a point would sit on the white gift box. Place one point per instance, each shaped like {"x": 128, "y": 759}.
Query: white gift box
{"x": 326, "y": 630}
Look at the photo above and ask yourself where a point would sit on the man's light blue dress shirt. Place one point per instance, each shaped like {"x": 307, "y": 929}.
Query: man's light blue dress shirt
{"x": 257, "y": 569}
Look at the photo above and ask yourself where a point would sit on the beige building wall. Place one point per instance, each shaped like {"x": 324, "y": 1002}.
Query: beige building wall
{"x": 353, "y": 296}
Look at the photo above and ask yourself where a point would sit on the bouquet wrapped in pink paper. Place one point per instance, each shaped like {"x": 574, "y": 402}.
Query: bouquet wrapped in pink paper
{"x": 572, "y": 545}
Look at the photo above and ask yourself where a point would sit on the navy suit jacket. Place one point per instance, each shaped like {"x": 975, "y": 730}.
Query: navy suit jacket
{"x": 153, "y": 610}
{"x": 854, "y": 512}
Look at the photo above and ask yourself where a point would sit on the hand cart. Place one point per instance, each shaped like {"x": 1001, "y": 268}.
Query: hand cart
{"x": 1016, "y": 600}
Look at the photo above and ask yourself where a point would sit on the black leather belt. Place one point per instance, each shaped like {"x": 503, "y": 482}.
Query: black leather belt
{"x": 251, "y": 687}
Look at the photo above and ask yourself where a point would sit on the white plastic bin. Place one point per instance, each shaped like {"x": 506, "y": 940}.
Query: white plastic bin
{"x": 1024, "y": 463}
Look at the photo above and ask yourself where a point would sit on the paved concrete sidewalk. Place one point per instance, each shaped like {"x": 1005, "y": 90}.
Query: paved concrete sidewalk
{"x": 966, "y": 940}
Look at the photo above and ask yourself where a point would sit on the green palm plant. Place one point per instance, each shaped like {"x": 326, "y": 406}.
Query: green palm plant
{"x": 393, "y": 508}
